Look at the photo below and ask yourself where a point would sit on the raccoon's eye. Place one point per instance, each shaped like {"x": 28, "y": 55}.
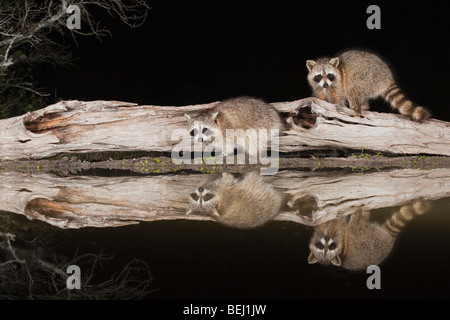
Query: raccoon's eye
{"x": 318, "y": 77}
{"x": 194, "y": 132}
{"x": 194, "y": 196}
{"x": 207, "y": 132}
{"x": 331, "y": 76}
{"x": 319, "y": 245}
{"x": 208, "y": 197}
{"x": 332, "y": 246}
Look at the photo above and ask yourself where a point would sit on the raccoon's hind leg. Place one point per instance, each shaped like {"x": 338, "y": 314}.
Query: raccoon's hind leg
{"x": 354, "y": 109}
{"x": 355, "y": 104}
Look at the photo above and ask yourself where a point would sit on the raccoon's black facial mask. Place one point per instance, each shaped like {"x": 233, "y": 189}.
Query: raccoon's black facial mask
{"x": 331, "y": 246}
{"x": 330, "y": 77}
{"x": 208, "y": 197}
{"x": 318, "y": 77}
{"x": 207, "y": 132}
{"x": 324, "y": 81}
{"x": 194, "y": 196}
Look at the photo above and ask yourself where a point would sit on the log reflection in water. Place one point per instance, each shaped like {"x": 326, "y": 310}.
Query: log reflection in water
{"x": 310, "y": 198}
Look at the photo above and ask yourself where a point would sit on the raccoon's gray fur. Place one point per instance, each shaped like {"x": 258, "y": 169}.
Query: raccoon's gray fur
{"x": 245, "y": 202}
{"x": 237, "y": 113}
{"x": 354, "y": 242}
{"x": 357, "y": 76}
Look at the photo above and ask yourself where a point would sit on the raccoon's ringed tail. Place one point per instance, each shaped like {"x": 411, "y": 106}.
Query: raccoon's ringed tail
{"x": 399, "y": 101}
{"x": 405, "y": 214}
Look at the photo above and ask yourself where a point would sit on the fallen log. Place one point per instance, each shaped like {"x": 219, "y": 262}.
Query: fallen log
{"x": 309, "y": 198}
{"x": 97, "y": 126}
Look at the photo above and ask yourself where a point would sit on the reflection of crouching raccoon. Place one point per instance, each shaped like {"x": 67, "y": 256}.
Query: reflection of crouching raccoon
{"x": 253, "y": 122}
{"x": 245, "y": 202}
{"x": 354, "y": 242}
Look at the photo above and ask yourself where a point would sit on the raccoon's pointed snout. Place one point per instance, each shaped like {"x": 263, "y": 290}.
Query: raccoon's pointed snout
{"x": 325, "y": 85}
{"x": 200, "y": 189}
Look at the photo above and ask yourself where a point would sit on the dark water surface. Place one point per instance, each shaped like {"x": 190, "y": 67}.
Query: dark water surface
{"x": 189, "y": 260}
{"x": 204, "y": 260}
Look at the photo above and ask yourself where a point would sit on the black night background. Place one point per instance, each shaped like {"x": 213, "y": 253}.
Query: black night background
{"x": 197, "y": 52}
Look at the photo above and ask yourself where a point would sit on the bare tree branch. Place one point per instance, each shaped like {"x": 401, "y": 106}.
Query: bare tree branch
{"x": 28, "y": 30}
{"x": 25, "y": 273}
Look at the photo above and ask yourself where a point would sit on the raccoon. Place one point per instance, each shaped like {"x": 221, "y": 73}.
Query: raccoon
{"x": 354, "y": 242}
{"x": 243, "y": 203}
{"x": 237, "y": 113}
{"x": 356, "y": 76}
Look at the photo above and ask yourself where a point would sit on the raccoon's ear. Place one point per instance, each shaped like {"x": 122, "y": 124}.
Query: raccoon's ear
{"x": 312, "y": 258}
{"x": 336, "y": 261}
{"x": 188, "y": 211}
{"x": 215, "y": 212}
{"x": 334, "y": 62}
{"x": 188, "y": 117}
{"x": 310, "y": 64}
{"x": 214, "y": 116}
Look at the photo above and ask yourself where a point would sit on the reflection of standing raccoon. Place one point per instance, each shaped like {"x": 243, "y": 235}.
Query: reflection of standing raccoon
{"x": 238, "y": 113}
{"x": 357, "y": 76}
{"x": 354, "y": 242}
{"x": 246, "y": 202}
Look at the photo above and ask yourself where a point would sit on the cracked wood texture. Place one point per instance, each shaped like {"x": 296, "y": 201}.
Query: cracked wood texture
{"x": 309, "y": 198}
{"x": 96, "y": 126}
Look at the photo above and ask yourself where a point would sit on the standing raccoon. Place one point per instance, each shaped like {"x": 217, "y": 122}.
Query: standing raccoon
{"x": 244, "y": 203}
{"x": 357, "y": 76}
{"x": 354, "y": 243}
{"x": 238, "y": 113}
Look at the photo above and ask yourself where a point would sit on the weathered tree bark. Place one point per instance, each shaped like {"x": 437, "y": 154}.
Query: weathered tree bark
{"x": 78, "y": 127}
{"x": 310, "y": 198}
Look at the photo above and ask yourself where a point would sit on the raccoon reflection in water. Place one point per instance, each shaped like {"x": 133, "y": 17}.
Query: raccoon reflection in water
{"x": 241, "y": 202}
{"x": 354, "y": 242}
